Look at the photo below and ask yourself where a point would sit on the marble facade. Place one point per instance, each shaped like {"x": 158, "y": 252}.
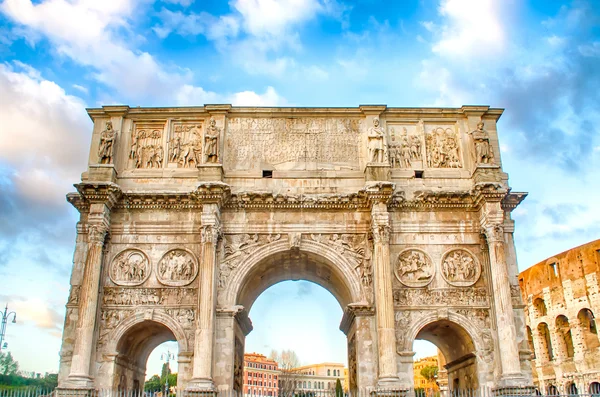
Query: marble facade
{"x": 188, "y": 214}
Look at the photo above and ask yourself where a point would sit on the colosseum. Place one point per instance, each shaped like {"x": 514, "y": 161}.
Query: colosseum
{"x": 561, "y": 295}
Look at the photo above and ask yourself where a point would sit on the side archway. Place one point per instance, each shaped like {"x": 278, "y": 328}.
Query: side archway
{"x": 130, "y": 344}
{"x": 466, "y": 350}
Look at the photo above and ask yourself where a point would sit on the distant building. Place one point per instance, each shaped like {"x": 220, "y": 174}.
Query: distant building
{"x": 562, "y": 298}
{"x": 418, "y": 365}
{"x": 261, "y": 376}
{"x": 320, "y": 378}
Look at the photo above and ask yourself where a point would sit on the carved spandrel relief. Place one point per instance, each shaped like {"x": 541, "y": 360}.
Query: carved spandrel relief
{"x": 236, "y": 247}
{"x": 484, "y": 153}
{"x": 146, "y": 149}
{"x": 406, "y": 146}
{"x": 107, "y": 142}
{"x": 109, "y": 319}
{"x": 356, "y": 248}
{"x": 130, "y": 267}
{"x": 177, "y": 267}
{"x": 185, "y": 317}
{"x": 185, "y": 144}
{"x": 414, "y": 268}
{"x": 479, "y": 317}
{"x": 128, "y": 296}
{"x": 443, "y": 147}
{"x": 290, "y": 143}
{"x": 441, "y": 297}
{"x": 211, "y": 143}
{"x": 377, "y": 143}
{"x": 460, "y": 268}
{"x": 74, "y": 295}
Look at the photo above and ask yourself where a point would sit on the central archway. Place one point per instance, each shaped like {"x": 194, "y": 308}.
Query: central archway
{"x": 280, "y": 261}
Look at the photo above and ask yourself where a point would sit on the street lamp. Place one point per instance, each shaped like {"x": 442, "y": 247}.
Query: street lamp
{"x": 5, "y": 315}
{"x": 167, "y": 357}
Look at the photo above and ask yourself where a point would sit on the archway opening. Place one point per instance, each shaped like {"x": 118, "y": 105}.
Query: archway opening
{"x": 133, "y": 351}
{"x": 162, "y": 368}
{"x": 540, "y": 307}
{"x": 564, "y": 332}
{"x": 290, "y": 271}
{"x": 547, "y": 352}
{"x": 456, "y": 354}
{"x": 587, "y": 322}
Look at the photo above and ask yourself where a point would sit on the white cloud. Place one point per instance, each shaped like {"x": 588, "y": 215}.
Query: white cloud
{"x": 87, "y": 32}
{"x": 37, "y": 311}
{"x": 189, "y": 95}
{"x": 80, "y": 88}
{"x": 472, "y": 26}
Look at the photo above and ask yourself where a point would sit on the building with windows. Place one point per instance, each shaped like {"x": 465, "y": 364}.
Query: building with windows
{"x": 562, "y": 299}
{"x": 420, "y": 381}
{"x": 261, "y": 376}
{"x": 319, "y": 378}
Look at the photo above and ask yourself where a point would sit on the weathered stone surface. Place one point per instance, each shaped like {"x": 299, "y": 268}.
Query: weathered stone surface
{"x": 206, "y": 207}
{"x": 562, "y": 299}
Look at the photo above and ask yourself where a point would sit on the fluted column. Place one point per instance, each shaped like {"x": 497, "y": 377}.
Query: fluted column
{"x": 388, "y": 377}
{"x": 202, "y": 376}
{"x": 79, "y": 375}
{"x": 507, "y": 336}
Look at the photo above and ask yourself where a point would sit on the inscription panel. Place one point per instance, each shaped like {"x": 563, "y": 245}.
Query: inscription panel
{"x": 289, "y": 143}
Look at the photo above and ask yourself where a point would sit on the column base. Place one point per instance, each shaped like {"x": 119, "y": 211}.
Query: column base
{"x": 514, "y": 391}
{"x": 77, "y": 382}
{"x": 66, "y": 391}
{"x": 390, "y": 387}
{"x": 200, "y": 388}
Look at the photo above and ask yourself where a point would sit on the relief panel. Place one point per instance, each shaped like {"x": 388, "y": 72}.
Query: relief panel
{"x": 146, "y": 150}
{"x": 443, "y": 146}
{"x": 406, "y": 145}
{"x": 460, "y": 268}
{"x": 284, "y": 143}
{"x": 185, "y": 144}
{"x": 177, "y": 267}
{"x": 130, "y": 267}
{"x": 414, "y": 268}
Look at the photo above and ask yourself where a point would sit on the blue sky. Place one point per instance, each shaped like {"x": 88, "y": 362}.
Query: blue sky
{"x": 538, "y": 59}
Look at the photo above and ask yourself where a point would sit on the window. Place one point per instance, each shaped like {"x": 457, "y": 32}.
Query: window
{"x": 328, "y": 372}
{"x": 554, "y": 267}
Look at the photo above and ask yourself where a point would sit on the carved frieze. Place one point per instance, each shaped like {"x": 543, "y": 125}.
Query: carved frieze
{"x": 443, "y": 147}
{"x": 177, "y": 267}
{"x": 282, "y": 142}
{"x": 236, "y": 247}
{"x": 460, "y": 268}
{"x": 406, "y": 146}
{"x": 441, "y": 297}
{"x": 130, "y": 267}
{"x": 414, "y": 268}
{"x": 185, "y": 317}
{"x": 185, "y": 144}
{"x": 146, "y": 150}
{"x": 128, "y": 296}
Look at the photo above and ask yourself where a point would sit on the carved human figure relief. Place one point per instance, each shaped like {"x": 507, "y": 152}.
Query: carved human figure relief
{"x": 185, "y": 145}
{"x": 460, "y": 268}
{"x": 146, "y": 149}
{"x": 442, "y": 148}
{"x": 185, "y": 317}
{"x": 405, "y": 148}
{"x": 107, "y": 141}
{"x": 177, "y": 267}
{"x": 377, "y": 143}
{"x": 211, "y": 143}
{"x": 130, "y": 267}
{"x": 483, "y": 150}
{"x": 414, "y": 268}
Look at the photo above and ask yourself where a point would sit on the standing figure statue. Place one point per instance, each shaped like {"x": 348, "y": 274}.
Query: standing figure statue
{"x": 107, "y": 139}
{"x": 377, "y": 144}
{"x": 211, "y": 143}
{"x": 483, "y": 149}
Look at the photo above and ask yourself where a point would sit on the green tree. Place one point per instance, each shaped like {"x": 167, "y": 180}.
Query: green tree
{"x": 8, "y": 365}
{"x": 153, "y": 384}
{"x": 339, "y": 391}
{"x": 429, "y": 372}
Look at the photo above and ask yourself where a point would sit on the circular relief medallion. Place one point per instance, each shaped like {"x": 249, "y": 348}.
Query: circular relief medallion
{"x": 130, "y": 267}
{"x": 177, "y": 267}
{"x": 414, "y": 268}
{"x": 460, "y": 268}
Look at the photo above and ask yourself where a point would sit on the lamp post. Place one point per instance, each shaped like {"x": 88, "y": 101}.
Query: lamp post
{"x": 167, "y": 357}
{"x": 5, "y": 315}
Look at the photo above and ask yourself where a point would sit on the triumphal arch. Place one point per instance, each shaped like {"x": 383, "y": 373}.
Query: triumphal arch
{"x": 188, "y": 214}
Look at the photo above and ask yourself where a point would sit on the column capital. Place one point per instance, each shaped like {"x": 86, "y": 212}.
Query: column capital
{"x": 381, "y": 233}
{"x": 211, "y": 233}
{"x": 213, "y": 193}
{"x": 379, "y": 192}
{"x": 97, "y": 233}
{"x": 494, "y": 233}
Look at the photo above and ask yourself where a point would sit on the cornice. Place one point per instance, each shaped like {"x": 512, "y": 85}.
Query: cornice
{"x": 149, "y": 201}
{"x": 212, "y": 193}
{"x": 107, "y": 193}
{"x": 512, "y": 200}
{"x": 270, "y": 200}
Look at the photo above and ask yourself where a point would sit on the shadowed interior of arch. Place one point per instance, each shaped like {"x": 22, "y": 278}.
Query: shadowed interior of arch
{"x": 457, "y": 360}
{"x": 134, "y": 348}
